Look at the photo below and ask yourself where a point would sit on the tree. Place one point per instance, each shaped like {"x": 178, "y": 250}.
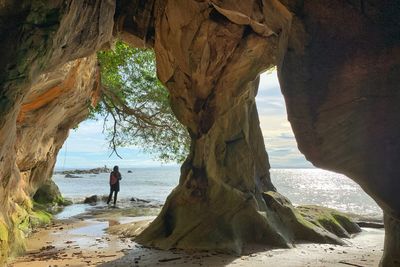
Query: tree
{"x": 135, "y": 105}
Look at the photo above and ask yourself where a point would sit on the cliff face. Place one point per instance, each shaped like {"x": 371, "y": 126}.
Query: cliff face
{"x": 45, "y": 91}
{"x": 340, "y": 78}
{"x": 57, "y": 102}
{"x": 338, "y": 64}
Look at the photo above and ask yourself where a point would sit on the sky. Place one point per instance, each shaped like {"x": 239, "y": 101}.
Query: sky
{"x": 86, "y": 146}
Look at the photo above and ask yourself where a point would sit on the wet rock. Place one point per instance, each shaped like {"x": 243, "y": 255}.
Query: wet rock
{"x": 72, "y": 176}
{"x": 89, "y": 171}
{"x": 332, "y": 220}
{"x": 49, "y": 194}
{"x": 91, "y": 200}
{"x": 134, "y": 199}
{"x": 369, "y": 224}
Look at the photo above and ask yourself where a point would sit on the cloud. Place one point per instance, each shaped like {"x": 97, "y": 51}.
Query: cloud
{"x": 278, "y": 135}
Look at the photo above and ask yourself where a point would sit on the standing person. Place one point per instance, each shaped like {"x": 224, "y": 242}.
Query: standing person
{"x": 115, "y": 177}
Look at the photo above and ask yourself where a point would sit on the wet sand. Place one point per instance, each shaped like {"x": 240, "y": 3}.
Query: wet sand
{"x": 73, "y": 243}
{"x": 83, "y": 241}
{"x": 363, "y": 250}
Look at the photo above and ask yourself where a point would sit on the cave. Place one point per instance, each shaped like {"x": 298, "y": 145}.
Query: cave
{"x": 338, "y": 64}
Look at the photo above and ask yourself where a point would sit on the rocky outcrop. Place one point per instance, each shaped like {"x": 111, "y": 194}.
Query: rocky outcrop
{"x": 46, "y": 87}
{"x": 57, "y": 102}
{"x": 340, "y": 78}
{"x": 89, "y": 171}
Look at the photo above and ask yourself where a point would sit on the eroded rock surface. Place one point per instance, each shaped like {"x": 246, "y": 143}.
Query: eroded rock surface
{"x": 340, "y": 78}
{"x": 338, "y": 63}
{"x": 57, "y": 102}
{"x": 44, "y": 91}
{"x": 209, "y": 55}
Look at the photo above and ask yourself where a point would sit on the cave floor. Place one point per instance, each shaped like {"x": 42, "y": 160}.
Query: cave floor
{"x": 83, "y": 241}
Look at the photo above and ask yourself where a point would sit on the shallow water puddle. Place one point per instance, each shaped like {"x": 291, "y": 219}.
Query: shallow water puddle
{"x": 91, "y": 234}
{"x": 94, "y": 229}
{"x": 71, "y": 211}
{"x": 76, "y": 242}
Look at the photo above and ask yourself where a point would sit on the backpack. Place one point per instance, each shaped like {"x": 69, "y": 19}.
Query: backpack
{"x": 113, "y": 178}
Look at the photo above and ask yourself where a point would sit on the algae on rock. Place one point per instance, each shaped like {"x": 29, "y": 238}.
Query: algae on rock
{"x": 48, "y": 194}
{"x": 3, "y": 242}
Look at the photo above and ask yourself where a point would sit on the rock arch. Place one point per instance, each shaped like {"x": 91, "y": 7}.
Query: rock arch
{"x": 338, "y": 63}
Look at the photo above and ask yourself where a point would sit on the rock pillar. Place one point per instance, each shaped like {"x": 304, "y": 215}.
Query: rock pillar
{"x": 209, "y": 56}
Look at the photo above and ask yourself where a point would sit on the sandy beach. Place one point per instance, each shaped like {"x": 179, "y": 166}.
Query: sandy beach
{"x": 83, "y": 241}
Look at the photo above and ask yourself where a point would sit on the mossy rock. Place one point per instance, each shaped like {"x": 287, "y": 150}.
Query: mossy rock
{"x": 20, "y": 227}
{"x": 3, "y": 242}
{"x": 332, "y": 220}
{"x": 49, "y": 194}
{"x": 24, "y": 220}
{"x": 296, "y": 225}
{"x": 39, "y": 218}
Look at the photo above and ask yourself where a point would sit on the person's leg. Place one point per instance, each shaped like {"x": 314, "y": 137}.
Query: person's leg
{"x": 110, "y": 196}
{"x": 115, "y": 197}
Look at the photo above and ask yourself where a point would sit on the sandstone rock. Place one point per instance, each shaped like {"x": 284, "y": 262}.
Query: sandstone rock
{"x": 128, "y": 230}
{"x": 54, "y": 104}
{"x": 338, "y": 64}
{"x": 339, "y": 77}
{"x": 208, "y": 58}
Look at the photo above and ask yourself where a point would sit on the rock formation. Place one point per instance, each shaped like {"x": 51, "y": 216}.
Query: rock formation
{"x": 209, "y": 56}
{"x": 338, "y": 64}
{"x": 46, "y": 88}
{"x": 340, "y": 79}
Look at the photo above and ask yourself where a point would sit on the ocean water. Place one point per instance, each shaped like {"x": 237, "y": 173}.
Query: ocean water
{"x": 145, "y": 183}
{"x": 329, "y": 189}
{"x": 301, "y": 186}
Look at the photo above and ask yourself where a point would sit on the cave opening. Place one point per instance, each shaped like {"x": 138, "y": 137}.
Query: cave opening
{"x": 224, "y": 199}
{"x": 291, "y": 173}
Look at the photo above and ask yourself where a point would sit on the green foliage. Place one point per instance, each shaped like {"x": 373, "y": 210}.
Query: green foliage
{"x": 135, "y": 105}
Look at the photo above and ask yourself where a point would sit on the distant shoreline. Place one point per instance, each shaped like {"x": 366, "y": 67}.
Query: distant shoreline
{"x": 58, "y": 170}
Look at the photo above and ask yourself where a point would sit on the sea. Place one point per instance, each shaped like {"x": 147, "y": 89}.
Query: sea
{"x": 301, "y": 186}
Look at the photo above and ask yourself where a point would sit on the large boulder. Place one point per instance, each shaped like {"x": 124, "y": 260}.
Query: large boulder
{"x": 49, "y": 194}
